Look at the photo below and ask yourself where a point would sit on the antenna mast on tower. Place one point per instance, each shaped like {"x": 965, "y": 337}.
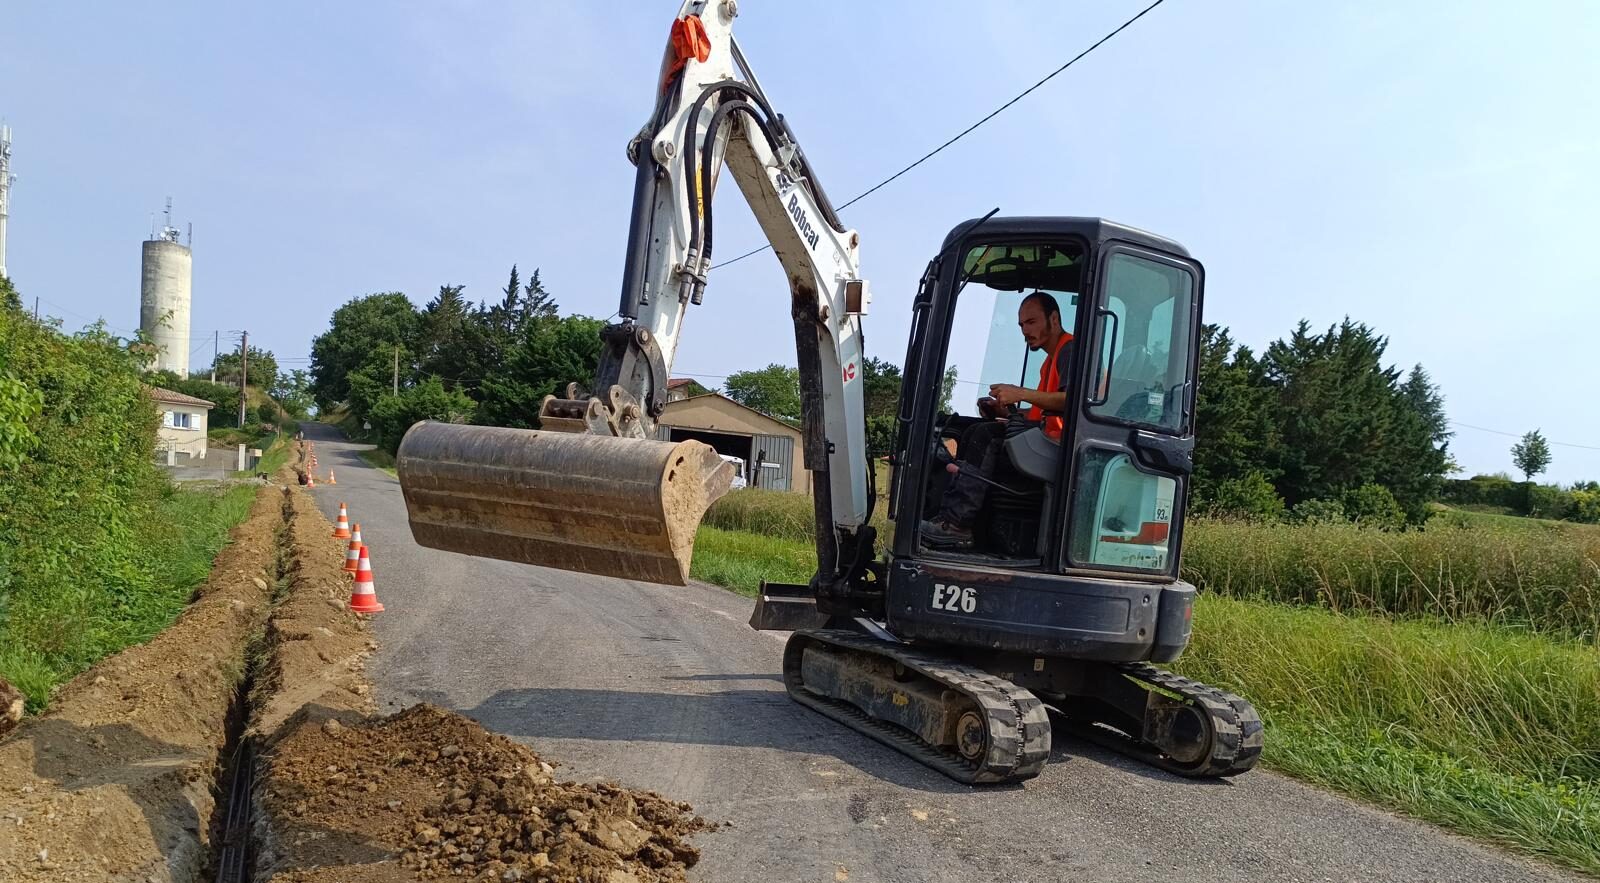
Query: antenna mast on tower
{"x": 6, "y": 180}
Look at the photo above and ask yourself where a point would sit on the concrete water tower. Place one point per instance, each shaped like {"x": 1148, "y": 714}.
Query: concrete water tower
{"x": 164, "y": 297}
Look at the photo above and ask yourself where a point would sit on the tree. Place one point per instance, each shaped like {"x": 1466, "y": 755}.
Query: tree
{"x": 1419, "y": 449}
{"x": 536, "y": 302}
{"x": 880, "y": 387}
{"x": 546, "y": 357}
{"x": 362, "y": 336}
{"x": 773, "y": 390}
{"x": 692, "y": 388}
{"x": 447, "y": 348}
{"x": 1532, "y": 454}
{"x": 9, "y": 298}
{"x": 261, "y": 372}
{"x": 293, "y": 392}
{"x": 1235, "y": 429}
{"x": 947, "y": 388}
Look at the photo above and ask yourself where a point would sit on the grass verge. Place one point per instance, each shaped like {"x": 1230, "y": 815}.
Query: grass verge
{"x": 378, "y": 458}
{"x": 50, "y": 636}
{"x": 1481, "y": 729}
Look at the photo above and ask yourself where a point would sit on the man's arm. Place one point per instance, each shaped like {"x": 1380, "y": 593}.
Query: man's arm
{"x": 1007, "y": 394}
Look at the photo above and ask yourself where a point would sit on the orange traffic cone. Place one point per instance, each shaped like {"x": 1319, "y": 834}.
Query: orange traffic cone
{"x": 341, "y": 528}
{"x": 363, "y": 599}
{"x": 353, "y": 554}
{"x": 311, "y": 480}
{"x": 330, "y": 477}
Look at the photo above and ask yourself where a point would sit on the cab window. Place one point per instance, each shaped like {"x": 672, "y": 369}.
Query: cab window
{"x": 1143, "y": 364}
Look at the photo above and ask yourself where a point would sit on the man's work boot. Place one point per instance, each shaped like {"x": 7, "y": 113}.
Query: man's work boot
{"x": 940, "y": 532}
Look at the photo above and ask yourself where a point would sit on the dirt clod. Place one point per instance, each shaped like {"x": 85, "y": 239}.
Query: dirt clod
{"x": 12, "y": 703}
{"x": 451, "y": 799}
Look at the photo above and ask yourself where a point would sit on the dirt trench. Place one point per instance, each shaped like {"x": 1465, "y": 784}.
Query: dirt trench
{"x": 115, "y": 780}
{"x": 239, "y": 746}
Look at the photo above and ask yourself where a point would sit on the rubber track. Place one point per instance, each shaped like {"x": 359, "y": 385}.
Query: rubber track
{"x": 1018, "y": 723}
{"x": 1237, "y": 736}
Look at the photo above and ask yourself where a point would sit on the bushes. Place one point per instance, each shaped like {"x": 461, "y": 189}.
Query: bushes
{"x": 1580, "y": 503}
{"x": 1252, "y": 498}
{"x": 1372, "y": 505}
{"x": 429, "y": 400}
{"x": 77, "y": 432}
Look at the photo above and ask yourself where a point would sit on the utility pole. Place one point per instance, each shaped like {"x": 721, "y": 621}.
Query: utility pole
{"x": 397, "y": 369}
{"x": 244, "y": 371}
{"x": 216, "y": 342}
{"x": 35, "y": 308}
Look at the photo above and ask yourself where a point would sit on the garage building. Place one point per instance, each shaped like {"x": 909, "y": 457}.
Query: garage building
{"x": 770, "y": 447}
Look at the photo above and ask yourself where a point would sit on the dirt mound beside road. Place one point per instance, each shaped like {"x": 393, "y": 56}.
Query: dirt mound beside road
{"x": 425, "y": 793}
{"x": 446, "y": 798}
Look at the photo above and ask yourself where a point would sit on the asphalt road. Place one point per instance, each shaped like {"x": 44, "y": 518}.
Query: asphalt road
{"x": 668, "y": 689}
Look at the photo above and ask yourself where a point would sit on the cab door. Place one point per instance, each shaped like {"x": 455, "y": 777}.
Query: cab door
{"x": 1133, "y": 438}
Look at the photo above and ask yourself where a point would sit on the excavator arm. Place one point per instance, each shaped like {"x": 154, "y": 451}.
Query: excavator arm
{"x": 593, "y": 490}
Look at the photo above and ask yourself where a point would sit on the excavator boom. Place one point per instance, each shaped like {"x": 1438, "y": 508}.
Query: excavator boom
{"x": 595, "y": 489}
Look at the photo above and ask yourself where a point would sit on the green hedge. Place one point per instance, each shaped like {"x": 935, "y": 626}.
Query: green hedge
{"x": 86, "y": 537}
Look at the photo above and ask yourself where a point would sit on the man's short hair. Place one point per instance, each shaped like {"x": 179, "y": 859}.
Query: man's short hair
{"x": 1046, "y": 301}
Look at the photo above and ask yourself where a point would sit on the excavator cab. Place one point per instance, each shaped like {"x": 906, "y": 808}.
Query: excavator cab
{"x": 1075, "y": 546}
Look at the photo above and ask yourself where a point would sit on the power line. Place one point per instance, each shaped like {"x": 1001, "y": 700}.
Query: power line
{"x": 1519, "y": 435}
{"x": 964, "y": 132}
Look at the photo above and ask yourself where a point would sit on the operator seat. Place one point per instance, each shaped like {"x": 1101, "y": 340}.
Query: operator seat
{"x": 1034, "y": 454}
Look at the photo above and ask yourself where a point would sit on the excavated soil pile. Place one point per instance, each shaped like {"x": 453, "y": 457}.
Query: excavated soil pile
{"x": 114, "y": 780}
{"x": 316, "y": 650}
{"x": 427, "y": 793}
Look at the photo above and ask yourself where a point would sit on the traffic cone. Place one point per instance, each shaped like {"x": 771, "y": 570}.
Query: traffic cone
{"x": 353, "y": 554}
{"x": 330, "y": 477}
{"x": 363, "y": 599}
{"x": 341, "y": 528}
{"x": 311, "y": 480}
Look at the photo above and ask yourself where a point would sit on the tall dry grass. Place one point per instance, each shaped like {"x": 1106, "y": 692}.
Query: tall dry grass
{"x": 1518, "y": 572}
{"x": 1543, "y": 577}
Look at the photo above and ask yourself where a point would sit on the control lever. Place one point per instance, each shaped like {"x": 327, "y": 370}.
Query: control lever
{"x": 956, "y": 467}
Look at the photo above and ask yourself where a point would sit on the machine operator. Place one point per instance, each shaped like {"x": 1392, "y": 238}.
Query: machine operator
{"x": 1039, "y": 317}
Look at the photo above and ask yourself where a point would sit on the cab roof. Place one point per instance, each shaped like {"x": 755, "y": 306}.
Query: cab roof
{"x": 1096, "y": 230}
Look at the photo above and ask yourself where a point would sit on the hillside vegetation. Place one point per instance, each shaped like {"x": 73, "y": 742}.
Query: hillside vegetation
{"x": 97, "y": 549}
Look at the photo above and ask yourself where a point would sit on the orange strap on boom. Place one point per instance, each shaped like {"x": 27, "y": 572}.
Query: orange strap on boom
{"x": 688, "y": 40}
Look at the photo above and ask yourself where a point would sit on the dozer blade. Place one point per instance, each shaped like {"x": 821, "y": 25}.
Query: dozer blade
{"x": 575, "y": 501}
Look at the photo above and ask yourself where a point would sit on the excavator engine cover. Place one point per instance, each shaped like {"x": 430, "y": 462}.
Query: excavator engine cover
{"x": 575, "y": 501}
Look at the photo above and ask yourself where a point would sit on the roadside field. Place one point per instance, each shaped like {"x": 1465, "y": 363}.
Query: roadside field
{"x": 1542, "y": 576}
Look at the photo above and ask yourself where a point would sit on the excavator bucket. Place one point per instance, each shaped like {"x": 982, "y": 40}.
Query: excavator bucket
{"x": 575, "y": 501}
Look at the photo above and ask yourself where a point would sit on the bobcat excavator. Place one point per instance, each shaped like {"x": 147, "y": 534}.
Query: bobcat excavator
{"x": 953, "y": 656}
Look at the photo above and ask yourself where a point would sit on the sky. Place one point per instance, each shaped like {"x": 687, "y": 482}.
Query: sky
{"x": 1430, "y": 169}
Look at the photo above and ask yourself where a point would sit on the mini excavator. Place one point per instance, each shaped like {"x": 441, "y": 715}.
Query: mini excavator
{"x": 961, "y": 657}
